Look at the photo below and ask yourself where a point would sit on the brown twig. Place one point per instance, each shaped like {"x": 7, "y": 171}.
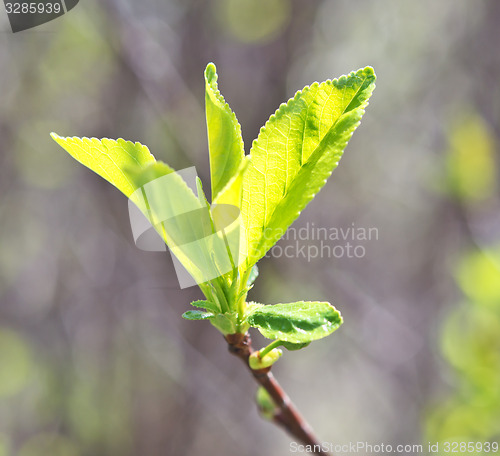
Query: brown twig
{"x": 287, "y": 414}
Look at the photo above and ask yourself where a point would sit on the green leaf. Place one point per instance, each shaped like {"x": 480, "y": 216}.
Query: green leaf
{"x": 295, "y": 153}
{"x": 207, "y": 305}
{"x": 299, "y": 322}
{"x": 224, "y": 135}
{"x": 173, "y": 209}
{"x": 197, "y": 315}
{"x": 112, "y": 160}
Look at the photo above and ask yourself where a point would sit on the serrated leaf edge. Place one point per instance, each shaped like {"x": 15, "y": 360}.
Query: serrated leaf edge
{"x": 306, "y": 89}
{"x": 218, "y": 95}
{"x": 360, "y": 111}
{"x": 87, "y": 139}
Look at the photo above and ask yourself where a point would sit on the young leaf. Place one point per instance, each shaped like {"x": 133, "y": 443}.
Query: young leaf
{"x": 298, "y": 322}
{"x": 295, "y": 153}
{"x": 112, "y": 160}
{"x": 207, "y": 305}
{"x": 224, "y": 135}
{"x": 129, "y": 167}
{"x": 197, "y": 315}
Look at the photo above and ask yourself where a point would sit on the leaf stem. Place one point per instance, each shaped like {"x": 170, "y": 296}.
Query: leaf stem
{"x": 264, "y": 351}
{"x": 286, "y": 413}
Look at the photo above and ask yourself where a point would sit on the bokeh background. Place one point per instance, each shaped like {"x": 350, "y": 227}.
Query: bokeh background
{"x": 94, "y": 356}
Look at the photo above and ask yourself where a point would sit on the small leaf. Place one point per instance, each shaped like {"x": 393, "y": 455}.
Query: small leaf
{"x": 112, "y": 160}
{"x": 224, "y": 135}
{"x": 207, "y": 305}
{"x": 298, "y": 322}
{"x": 197, "y": 315}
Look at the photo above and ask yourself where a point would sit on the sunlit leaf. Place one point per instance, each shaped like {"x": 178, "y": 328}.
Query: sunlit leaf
{"x": 295, "y": 153}
{"x": 113, "y": 160}
{"x": 224, "y": 135}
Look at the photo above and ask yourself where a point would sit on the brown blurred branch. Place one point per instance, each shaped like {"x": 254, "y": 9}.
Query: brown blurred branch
{"x": 287, "y": 414}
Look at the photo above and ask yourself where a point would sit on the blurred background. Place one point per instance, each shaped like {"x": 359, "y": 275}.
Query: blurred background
{"x": 94, "y": 356}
